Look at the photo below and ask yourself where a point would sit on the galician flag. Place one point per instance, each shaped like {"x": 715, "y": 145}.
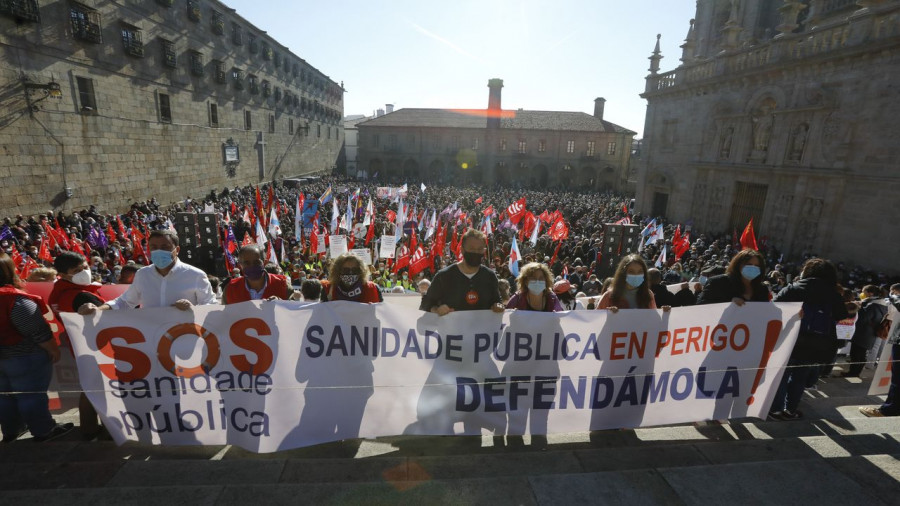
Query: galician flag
{"x": 514, "y": 257}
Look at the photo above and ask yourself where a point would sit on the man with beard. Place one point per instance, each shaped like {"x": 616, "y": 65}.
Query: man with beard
{"x": 465, "y": 285}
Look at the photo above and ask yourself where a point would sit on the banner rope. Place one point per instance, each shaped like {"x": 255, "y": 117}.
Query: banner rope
{"x": 420, "y": 385}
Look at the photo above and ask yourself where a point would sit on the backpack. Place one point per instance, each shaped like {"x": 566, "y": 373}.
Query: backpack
{"x": 816, "y": 319}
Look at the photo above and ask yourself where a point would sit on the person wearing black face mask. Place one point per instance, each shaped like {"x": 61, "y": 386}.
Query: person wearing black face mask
{"x": 349, "y": 280}
{"x": 256, "y": 283}
{"x": 466, "y": 285}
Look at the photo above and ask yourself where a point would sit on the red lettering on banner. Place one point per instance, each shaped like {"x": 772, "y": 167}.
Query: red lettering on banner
{"x": 241, "y": 339}
{"x": 164, "y": 349}
{"x": 140, "y": 364}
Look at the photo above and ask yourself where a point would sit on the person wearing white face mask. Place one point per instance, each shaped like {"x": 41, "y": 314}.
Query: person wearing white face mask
{"x": 535, "y": 283}
{"x": 74, "y": 289}
{"x": 167, "y": 282}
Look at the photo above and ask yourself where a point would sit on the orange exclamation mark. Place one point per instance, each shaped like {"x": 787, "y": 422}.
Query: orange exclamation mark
{"x": 773, "y": 330}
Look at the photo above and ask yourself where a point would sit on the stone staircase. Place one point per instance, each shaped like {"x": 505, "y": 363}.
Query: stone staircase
{"x": 833, "y": 456}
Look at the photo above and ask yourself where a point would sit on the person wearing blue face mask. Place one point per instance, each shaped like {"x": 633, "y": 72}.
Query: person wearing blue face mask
{"x": 255, "y": 283}
{"x": 742, "y": 281}
{"x": 535, "y": 292}
{"x": 630, "y": 288}
{"x": 167, "y": 282}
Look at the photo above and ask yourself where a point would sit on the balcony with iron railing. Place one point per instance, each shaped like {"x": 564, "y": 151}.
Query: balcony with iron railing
{"x": 133, "y": 47}
{"x": 835, "y": 34}
{"x": 87, "y": 31}
{"x": 21, "y": 10}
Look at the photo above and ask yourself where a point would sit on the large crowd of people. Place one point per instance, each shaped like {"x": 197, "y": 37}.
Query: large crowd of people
{"x": 477, "y": 229}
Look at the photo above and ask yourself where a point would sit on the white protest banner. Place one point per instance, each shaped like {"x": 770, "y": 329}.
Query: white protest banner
{"x": 388, "y": 246}
{"x": 337, "y": 245}
{"x": 270, "y": 376}
{"x": 363, "y": 255}
{"x": 384, "y": 192}
{"x": 881, "y": 380}
{"x": 320, "y": 243}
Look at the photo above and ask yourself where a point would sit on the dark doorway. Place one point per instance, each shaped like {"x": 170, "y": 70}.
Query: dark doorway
{"x": 660, "y": 204}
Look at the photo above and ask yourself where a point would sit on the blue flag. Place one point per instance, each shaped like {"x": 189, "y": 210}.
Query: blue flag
{"x": 310, "y": 208}
{"x": 6, "y": 233}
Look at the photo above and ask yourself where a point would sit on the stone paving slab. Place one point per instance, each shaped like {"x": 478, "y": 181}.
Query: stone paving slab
{"x": 640, "y": 458}
{"x": 878, "y": 474}
{"x": 24, "y": 476}
{"x": 757, "y": 451}
{"x": 627, "y": 488}
{"x": 786, "y": 483}
{"x": 138, "y": 496}
{"x": 158, "y": 473}
{"x": 861, "y": 444}
{"x": 498, "y": 465}
{"x": 496, "y": 491}
{"x": 344, "y": 470}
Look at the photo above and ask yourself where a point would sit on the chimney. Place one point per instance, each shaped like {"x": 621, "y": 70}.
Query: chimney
{"x": 493, "y": 112}
{"x": 379, "y": 113}
{"x": 388, "y": 108}
{"x": 598, "y": 107}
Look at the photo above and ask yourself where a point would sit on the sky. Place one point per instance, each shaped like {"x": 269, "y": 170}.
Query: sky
{"x": 552, "y": 55}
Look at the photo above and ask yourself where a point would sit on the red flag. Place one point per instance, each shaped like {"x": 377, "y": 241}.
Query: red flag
{"x": 437, "y": 247}
{"x": 121, "y": 226}
{"x": 625, "y": 207}
{"x": 545, "y": 217}
{"x": 555, "y": 252}
{"x": 516, "y": 210}
{"x": 413, "y": 241}
{"x": 489, "y": 211}
{"x": 76, "y": 247}
{"x": 270, "y": 199}
{"x": 748, "y": 238}
{"x": 44, "y": 252}
{"x": 247, "y": 240}
{"x": 454, "y": 246}
{"x": 87, "y": 249}
{"x": 479, "y": 200}
{"x": 138, "y": 252}
{"x": 529, "y": 221}
{"x": 370, "y": 234}
{"x": 402, "y": 259}
{"x": 677, "y": 237}
{"x": 26, "y": 269}
{"x": 17, "y": 258}
{"x": 49, "y": 234}
{"x": 110, "y": 232}
{"x": 682, "y": 247}
{"x": 391, "y": 216}
{"x": 314, "y": 240}
{"x": 259, "y": 203}
{"x": 420, "y": 261}
{"x": 559, "y": 230}
{"x": 60, "y": 235}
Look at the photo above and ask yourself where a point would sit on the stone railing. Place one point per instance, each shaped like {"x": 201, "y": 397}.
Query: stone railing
{"x": 846, "y": 33}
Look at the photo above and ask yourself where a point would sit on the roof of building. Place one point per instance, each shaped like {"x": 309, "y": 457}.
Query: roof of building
{"x": 512, "y": 120}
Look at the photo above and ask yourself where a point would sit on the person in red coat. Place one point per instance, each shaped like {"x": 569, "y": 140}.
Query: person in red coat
{"x": 255, "y": 283}
{"x": 73, "y": 289}
{"x": 348, "y": 280}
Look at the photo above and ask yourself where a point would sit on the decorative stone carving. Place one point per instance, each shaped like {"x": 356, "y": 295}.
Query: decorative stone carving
{"x": 798, "y": 143}
{"x": 725, "y": 143}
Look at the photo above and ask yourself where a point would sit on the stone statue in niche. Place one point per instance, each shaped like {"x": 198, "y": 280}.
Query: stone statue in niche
{"x": 798, "y": 143}
{"x": 725, "y": 147}
{"x": 762, "y": 129}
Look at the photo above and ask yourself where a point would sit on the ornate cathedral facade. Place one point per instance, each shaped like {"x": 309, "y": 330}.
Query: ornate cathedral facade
{"x": 783, "y": 112}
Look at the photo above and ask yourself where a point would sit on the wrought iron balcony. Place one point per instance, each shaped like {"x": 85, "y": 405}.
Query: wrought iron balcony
{"x": 133, "y": 47}
{"x": 85, "y": 30}
{"x": 21, "y": 10}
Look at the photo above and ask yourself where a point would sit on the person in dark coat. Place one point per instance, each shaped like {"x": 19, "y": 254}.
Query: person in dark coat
{"x": 868, "y": 318}
{"x": 742, "y": 281}
{"x": 817, "y": 340}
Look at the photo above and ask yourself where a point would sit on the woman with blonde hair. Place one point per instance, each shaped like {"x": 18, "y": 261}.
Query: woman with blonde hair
{"x": 349, "y": 280}
{"x": 535, "y": 290}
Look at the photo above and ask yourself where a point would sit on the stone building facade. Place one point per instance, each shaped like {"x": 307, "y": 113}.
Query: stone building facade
{"x": 524, "y": 148}
{"x": 783, "y": 111}
{"x": 108, "y": 102}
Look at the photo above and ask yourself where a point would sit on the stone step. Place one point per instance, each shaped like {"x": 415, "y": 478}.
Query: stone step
{"x": 869, "y": 480}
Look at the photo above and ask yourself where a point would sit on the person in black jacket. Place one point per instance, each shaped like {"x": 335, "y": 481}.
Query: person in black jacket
{"x": 817, "y": 340}
{"x": 742, "y": 281}
{"x": 871, "y": 311}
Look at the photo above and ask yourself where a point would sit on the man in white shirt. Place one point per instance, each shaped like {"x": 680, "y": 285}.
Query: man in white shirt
{"x": 167, "y": 282}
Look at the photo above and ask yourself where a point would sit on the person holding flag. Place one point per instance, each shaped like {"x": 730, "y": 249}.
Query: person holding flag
{"x": 255, "y": 283}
